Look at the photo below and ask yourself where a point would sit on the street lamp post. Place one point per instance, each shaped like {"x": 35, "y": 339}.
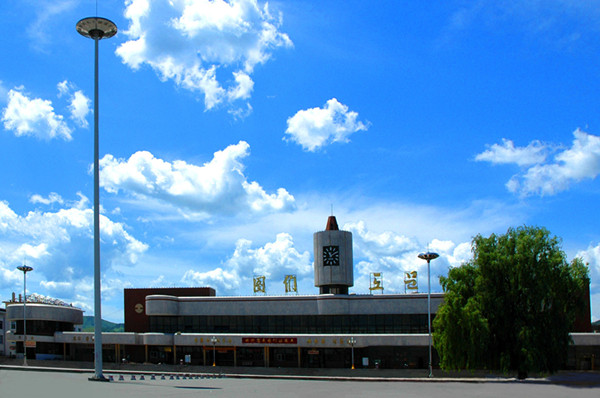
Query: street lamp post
{"x": 96, "y": 29}
{"x": 428, "y": 257}
{"x": 25, "y": 269}
{"x": 214, "y": 340}
{"x": 352, "y": 341}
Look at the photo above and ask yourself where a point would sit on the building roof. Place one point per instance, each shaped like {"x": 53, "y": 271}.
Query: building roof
{"x": 332, "y": 224}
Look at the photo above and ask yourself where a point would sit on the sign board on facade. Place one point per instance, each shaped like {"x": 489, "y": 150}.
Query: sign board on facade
{"x": 410, "y": 281}
{"x": 259, "y": 284}
{"x": 269, "y": 340}
{"x": 290, "y": 284}
{"x": 376, "y": 282}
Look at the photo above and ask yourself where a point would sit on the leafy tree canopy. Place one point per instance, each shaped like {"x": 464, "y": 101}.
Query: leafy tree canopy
{"x": 511, "y": 307}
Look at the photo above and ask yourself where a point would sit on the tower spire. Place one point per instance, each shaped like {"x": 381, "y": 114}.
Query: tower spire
{"x": 332, "y": 224}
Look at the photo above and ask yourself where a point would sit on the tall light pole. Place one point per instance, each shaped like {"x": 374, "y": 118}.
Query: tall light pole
{"x": 97, "y": 29}
{"x": 25, "y": 269}
{"x": 428, "y": 257}
{"x": 352, "y": 341}
{"x": 214, "y": 342}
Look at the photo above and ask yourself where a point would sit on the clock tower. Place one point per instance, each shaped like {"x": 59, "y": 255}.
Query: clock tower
{"x": 334, "y": 269}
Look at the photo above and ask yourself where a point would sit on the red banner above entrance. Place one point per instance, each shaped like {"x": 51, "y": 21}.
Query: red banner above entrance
{"x": 269, "y": 340}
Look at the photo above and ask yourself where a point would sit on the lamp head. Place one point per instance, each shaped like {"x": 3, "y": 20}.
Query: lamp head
{"x": 428, "y": 256}
{"x": 24, "y": 268}
{"x": 96, "y": 28}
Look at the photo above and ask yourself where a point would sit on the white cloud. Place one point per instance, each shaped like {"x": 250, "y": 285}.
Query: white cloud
{"x": 64, "y": 88}
{"x": 243, "y": 87}
{"x": 189, "y": 41}
{"x": 79, "y": 105}
{"x": 274, "y": 260}
{"x": 591, "y": 256}
{"x": 80, "y": 108}
{"x": 240, "y": 113}
{"x": 217, "y": 187}
{"x": 581, "y": 161}
{"x": 58, "y": 245}
{"x": 225, "y": 281}
{"x": 47, "y": 18}
{"x": 393, "y": 255}
{"x": 52, "y": 198}
{"x": 35, "y": 117}
{"x": 316, "y": 127}
{"x": 28, "y": 251}
{"x": 380, "y": 244}
{"x": 507, "y": 153}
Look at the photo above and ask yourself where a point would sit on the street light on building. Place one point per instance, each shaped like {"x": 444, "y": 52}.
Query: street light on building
{"x": 214, "y": 340}
{"x": 96, "y": 29}
{"x": 25, "y": 269}
{"x": 352, "y": 341}
{"x": 428, "y": 257}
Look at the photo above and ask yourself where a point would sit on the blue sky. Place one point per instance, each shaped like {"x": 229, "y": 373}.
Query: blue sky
{"x": 229, "y": 130}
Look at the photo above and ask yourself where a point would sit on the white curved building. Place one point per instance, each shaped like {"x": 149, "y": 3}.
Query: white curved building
{"x": 44, "y": 320}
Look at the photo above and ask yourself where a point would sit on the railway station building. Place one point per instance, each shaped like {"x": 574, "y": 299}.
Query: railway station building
{"x": 334, "y": 328}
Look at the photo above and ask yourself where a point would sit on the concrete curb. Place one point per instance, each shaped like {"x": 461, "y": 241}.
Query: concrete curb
{"x": 281, "y": 377}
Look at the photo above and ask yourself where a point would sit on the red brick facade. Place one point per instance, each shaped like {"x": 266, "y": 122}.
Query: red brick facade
{"x": 135, "y": 303}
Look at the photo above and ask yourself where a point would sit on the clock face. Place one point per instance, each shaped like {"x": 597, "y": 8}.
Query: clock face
{"x": 331, "y": 255}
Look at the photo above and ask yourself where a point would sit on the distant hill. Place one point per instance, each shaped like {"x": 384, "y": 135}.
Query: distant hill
{"x": 88, "y": 325}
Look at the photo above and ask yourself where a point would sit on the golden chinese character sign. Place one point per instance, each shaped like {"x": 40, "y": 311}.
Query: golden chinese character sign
{"x": 290, "y": 284}
{"x": 376, "y": 282}
{"x": 259, "y": 284}
{"x": 410, "y": 282}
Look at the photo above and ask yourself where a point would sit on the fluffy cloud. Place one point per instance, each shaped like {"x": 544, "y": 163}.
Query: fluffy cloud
{"x": 52, "y": 198}
{"x": 80, "y": 108}
{"x": 393, "y": 255}
{"x": 316, "y": 127}
{"x": 34, "y": 117}
{"x": 506, "y": 153}
{"x": 189, "y": 41}
{"x": 37, "y": 117}
{"x": 217, "y": 187}
{"x": 79, "y": 103}
{"x": 580, "y": 161}
{"x": 274, "y": 260}
{"x": 223, "y": 280}
{"x": 380, "y": 244}
{"x": 59, "y": 247}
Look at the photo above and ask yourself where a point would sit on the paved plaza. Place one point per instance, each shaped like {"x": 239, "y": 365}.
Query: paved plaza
{"x": 20, "y": 383}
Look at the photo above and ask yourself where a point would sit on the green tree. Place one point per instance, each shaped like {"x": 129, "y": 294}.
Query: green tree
{"x": 511, "y": 307}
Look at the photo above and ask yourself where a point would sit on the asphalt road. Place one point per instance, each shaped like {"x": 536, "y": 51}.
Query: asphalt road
{"x": 16, "y": 383}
